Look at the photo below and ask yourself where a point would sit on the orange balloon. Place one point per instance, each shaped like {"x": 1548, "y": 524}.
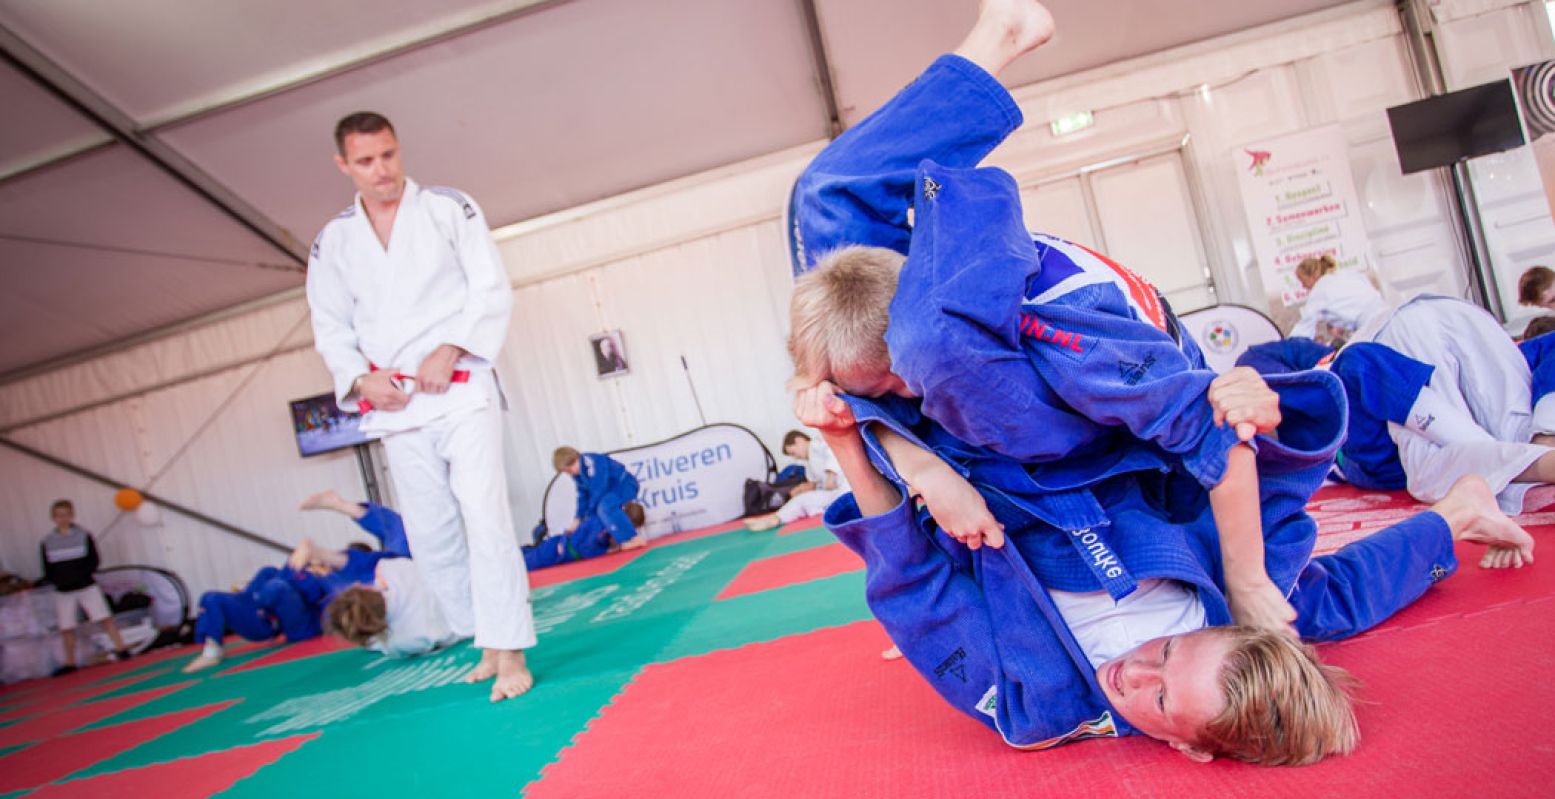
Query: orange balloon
{"x": 128, "y": 499}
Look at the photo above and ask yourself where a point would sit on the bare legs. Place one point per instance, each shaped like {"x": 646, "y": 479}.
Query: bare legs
{"x": 1006, "y": 30}
{"x": 1472, "y": 515}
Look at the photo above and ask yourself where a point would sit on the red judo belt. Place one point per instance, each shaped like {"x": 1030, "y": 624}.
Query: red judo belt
{"x": 459, "y": 376}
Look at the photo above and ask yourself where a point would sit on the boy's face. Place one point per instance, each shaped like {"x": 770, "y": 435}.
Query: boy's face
{"x": 1169, "y": 688}
{"x": 63, "y": 517}
{"x": 573, "y": 468}
{"x": 800, "y": 449}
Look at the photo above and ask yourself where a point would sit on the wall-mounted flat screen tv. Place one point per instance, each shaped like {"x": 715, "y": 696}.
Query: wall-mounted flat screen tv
{"x": 322, "y": 427}
{"x": 1447, "y": 128}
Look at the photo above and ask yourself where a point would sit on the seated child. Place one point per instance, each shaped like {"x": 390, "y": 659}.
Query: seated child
{"x": 397, "y": 614}
{"x": 824, "y": 483}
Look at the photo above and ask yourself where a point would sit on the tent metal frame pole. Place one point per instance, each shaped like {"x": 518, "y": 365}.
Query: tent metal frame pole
{"x": 184, "y": 510}
{"x": 1416, "y": 18}
{"x": 823, "y": 70}
{"x": 75, "y": 94}
{"x": 521, "y": 8}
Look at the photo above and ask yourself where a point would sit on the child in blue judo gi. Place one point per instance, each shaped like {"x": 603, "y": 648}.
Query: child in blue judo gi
{"x": 1036, "y": 395}
{"x": 601, "y": 523}
{"x": 289, "y": 600}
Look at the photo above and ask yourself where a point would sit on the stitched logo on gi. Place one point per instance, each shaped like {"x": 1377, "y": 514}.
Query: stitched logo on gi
{"x": 989, "y": 704}
{"x": 1038, "y": 330}
{"x": 955, "y": 664}
{"x": 1132, "y": 373}
{"x": 1438, "y": 573}
{"x": 1100, "y": 728}
{"x": 930, "y": 188}
{"x": 1424, "y": 422}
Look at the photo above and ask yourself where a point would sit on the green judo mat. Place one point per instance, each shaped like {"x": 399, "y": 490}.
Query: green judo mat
{"x": 388, "y": 727}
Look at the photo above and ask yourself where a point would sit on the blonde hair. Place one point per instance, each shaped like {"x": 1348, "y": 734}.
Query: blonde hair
{"x": 563, "y": 457}
{"x": 358, "y": 614}
{"x": 1284, "y": 707}
{"x": 840, "y": 310}
{"x": 1316, "y": 267}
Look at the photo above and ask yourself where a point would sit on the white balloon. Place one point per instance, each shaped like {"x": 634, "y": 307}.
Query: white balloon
{"x": 148, "y": 514}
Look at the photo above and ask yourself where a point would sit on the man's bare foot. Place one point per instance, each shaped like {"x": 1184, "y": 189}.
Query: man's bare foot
{"x": 484, "y": 670}
{"x": 1471, "y": 513}
{"x": 201, "y": 663}
{"x": 764, "y": 522}
{"x": 331, "y": 500}
{"x": 1006, "y": 30}
{"x": 894, "y": 653}
{"x": 513, "y": 677}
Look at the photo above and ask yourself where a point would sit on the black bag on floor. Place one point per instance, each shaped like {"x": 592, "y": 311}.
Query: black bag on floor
{"x": 763, "y": 497}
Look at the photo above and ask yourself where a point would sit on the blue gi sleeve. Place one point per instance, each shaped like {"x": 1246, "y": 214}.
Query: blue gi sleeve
{"x": 857, "y": 190}
{"x": 589, "y": 489}
{"x": 387, "y": 526}
{"x": 1001, "y": 371}
{"x": 1361, "y": 585}
{"x": 1536, "y": 351}
{"x": 1120, "y": 371}
{"x": 935, "y": 613}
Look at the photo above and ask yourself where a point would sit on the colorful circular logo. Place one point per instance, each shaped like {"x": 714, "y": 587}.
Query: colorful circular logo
{"x": 1220, "y": 337}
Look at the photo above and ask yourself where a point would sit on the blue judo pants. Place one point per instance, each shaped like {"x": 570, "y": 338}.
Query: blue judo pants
{"x": 272, "y": 603}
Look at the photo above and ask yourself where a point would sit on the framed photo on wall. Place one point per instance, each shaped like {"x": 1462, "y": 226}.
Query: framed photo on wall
{"x": 609, "y": 354}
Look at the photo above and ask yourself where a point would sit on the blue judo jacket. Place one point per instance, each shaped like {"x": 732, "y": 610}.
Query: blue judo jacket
{"x": 602, "y": 479}
{"x": 980, "y": 626}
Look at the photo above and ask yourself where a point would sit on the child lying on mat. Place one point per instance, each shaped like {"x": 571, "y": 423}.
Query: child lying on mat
{"x": 583, "y": 544}
{"x": 1063, "y": 416}
{"x": 397, "y": 615}
{"x": 289, "y": 600}
{"x": 601, "y": 525}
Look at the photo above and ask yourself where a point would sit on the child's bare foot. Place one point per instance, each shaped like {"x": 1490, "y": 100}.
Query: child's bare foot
{"x": 201, "y": 663}
{"x": 513, "y": 677}
{"x": 894, "y": 653}
{"x": 329, "y": 500}
{"x": 1471, "y": 512}
{"x": 638, "y": 542}
{"x": 763, "y": 522}
{"x": 484, "y": 670}
{"x": 1006, "y": 30}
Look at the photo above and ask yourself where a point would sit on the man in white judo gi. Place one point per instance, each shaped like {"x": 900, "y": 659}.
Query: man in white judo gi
{"x": 410, "y": 308}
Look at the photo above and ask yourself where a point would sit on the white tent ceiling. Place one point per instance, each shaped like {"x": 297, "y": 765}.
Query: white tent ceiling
{"x": 218, "y": 173}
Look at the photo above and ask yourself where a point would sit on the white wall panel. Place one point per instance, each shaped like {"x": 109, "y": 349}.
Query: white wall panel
{"x": 1148, "y": 221}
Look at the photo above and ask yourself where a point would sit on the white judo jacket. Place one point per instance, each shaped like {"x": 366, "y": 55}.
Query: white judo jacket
{"x": 440, "y": 281}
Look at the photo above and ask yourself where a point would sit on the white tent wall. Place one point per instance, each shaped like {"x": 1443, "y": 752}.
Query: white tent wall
{"x": 694, "y": 268}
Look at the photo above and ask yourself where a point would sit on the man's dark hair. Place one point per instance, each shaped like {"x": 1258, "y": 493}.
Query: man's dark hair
{"x": 791, "y": 436}
{"x": 359, "y": 122}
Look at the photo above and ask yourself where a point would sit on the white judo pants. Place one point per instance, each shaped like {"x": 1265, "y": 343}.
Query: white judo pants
{"x": 451, "y": 486}
{"x": 1477, "y": 403}
{"x": 810, "y": 503}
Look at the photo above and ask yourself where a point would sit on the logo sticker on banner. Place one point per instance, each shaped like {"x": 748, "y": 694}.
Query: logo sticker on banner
{"x": 693, "y": 480}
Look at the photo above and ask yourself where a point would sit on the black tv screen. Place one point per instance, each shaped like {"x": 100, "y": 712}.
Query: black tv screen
{"x": 1443, "y": 130}
{"x": 322, "y": 427}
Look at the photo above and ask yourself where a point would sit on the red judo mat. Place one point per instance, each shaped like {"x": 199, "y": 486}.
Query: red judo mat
{"x": 1456, "y": 691}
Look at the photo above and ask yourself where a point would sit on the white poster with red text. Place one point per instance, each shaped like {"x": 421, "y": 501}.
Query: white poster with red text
{"x": 1300, "y": 201}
